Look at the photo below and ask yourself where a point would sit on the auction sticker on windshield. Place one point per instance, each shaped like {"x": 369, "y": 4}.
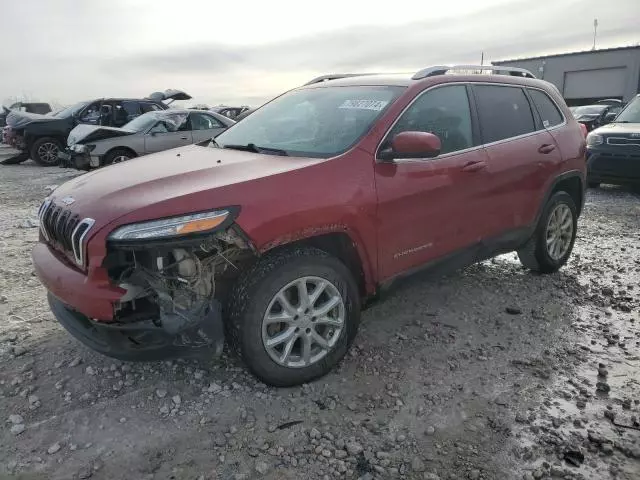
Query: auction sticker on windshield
{"x": 376, "y": 105}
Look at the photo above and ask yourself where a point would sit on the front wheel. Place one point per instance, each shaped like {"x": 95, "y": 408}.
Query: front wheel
{"x": 552, "y": 242}
{"x": 293, "y": 316}
{"x": 44, "y": 151}
{"x": 118, "y": 155}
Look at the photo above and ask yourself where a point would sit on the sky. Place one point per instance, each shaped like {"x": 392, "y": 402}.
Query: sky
{"x": 248, "y": 51}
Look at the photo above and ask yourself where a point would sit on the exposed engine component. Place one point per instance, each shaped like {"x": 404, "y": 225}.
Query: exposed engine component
{"x": 176, "y": 287}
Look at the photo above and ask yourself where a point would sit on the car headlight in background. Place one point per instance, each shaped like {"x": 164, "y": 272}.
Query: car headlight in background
{"x": 171, "y": 227}
{"x": 594, "y": 139}
{"x": 78, "y": 148}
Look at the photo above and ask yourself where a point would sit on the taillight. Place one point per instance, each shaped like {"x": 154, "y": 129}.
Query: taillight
{"x": 584, "y": 129}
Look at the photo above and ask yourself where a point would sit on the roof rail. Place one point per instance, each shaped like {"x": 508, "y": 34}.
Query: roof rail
{"x": 499, "y": 70}
{"x": 335, "y": 76}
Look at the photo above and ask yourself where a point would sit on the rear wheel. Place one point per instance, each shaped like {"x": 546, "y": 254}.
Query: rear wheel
{"x": 552, "y": 242}
{"x": 44, "y": 151}
{"x": 118, "y": 155}
{"x": 293, "y": 316}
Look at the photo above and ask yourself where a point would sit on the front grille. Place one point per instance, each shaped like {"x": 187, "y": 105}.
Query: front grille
{"x": 623, "y": 141}
{"x": 64, "y": 230}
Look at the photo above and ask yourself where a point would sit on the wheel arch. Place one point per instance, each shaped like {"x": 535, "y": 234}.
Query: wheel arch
{"x": 121, "y": 147}
{"x": 338, "y": 243}
{"x": 30, "y": 139}
{"x": 573, "y": 183}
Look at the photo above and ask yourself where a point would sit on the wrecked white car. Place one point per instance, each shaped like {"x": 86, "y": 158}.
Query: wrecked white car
{"x": 93, "y": 146}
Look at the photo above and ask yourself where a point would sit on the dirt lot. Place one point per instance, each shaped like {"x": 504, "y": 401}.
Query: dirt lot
{"x": 488, "y": 373}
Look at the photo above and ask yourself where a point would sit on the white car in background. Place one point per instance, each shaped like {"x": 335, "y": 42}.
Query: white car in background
{"x": 93, "y": 146}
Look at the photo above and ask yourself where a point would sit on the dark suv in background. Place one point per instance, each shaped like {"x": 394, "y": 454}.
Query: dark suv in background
{"x": 613, "y": 151}
{"x": 41, "y": 137}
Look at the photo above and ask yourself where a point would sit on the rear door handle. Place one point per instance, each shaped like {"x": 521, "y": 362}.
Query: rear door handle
{"x": 474, "y": 166}
{"x": 546, "y": 148}
{"x": 184, "y": 138}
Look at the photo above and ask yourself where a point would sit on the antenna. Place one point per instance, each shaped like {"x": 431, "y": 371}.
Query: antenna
{"x": 595, "y": 32}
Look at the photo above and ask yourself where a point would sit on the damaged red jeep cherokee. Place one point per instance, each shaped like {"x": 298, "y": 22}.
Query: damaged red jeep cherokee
{"x": 273, "y": 234}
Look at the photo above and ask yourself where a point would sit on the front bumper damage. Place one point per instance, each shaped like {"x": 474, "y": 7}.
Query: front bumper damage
{"x": 81, "y": 161}
{"x": 142, "y": 340}
{"x": 146, "y": 301}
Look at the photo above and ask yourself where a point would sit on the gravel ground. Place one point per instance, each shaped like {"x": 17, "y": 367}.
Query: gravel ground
{"x": 488, "y": 373}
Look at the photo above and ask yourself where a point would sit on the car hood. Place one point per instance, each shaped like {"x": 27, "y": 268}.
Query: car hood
{"x": 619, "y": 129}
{"x": 586, "y": 117}
{"x": 16, "y": 119}
{"x": 173, "y": 182}
{"x": 93, "y": 133}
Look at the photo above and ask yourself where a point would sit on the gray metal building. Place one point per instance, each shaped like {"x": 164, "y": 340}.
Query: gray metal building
{"x": 584, "y": 77}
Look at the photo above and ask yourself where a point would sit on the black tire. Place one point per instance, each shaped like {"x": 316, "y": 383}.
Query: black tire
{"x": 44, "y": 151}
{"x": 115, "y": 156}
{"x": 252, "y": 294}
{"x": 593, "y": 184}
{"x": 535, "y": 255}
{"x": 15, "y": 160}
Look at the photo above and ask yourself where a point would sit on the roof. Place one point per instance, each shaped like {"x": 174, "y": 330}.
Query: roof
{"x": 405, "y": 80}
{"x": 393, "y": 79}
{"x": 540, "y": 57}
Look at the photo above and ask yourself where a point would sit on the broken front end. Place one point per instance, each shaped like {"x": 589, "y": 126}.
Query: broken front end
{"x": 174, "y": 285}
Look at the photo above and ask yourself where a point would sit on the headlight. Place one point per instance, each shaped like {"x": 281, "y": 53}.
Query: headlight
{"x": 594, "y": 139}
{"x": 171, "y": 227}
{"x": 78, "y": 148}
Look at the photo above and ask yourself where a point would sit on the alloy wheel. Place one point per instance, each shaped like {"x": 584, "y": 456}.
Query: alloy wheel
{"x": 48, "y": 152}
{"x": 303, "y": 322}
{"x": 559, "y": 231}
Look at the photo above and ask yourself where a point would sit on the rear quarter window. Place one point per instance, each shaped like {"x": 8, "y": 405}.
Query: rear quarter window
{"x": 504, "y": 112}
{"x": 547, "y": 109}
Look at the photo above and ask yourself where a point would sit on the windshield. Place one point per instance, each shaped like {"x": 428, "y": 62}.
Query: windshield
{"x": 590, "y": 110}
{"x": 171, "y": 122}
{"x": 631, "y": 114}
{"x": 70, "y": 111}
{"x": 142, "y": 123}
{"x": 313, "y": 122}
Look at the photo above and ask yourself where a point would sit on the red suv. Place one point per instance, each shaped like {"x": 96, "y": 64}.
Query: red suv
{"x": 279, "y": 229}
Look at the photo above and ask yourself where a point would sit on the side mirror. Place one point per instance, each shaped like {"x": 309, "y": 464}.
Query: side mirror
{"x": 412, "y": 145}
{"x": 610, "y": 117}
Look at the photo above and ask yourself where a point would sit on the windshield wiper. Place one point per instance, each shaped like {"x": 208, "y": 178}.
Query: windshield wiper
{"x": 252, "y": 147}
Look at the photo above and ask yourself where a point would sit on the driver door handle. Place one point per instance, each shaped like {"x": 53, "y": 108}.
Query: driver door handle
{"x": 184, "y": 138}
{"x": 546, "y": 148}
{"x": 474, "y": 166}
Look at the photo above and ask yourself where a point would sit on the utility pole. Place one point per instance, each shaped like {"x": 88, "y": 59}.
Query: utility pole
{"x": 482, "y": 59}
{"x": 595, "y": 31}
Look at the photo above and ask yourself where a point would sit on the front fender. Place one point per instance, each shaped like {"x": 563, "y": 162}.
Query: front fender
{"x": 366, "y": 256}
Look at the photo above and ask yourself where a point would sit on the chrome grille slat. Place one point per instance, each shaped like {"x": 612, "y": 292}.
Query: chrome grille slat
{"x": 623, "y": 141}
{"x": 64, "y": 230}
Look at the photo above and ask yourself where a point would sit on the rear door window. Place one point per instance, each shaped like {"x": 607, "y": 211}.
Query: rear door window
{"x": 547, "y": 109}
{"x": 504, "y": 112}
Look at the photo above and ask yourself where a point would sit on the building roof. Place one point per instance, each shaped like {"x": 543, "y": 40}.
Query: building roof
{"x": 540, "y": 57}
